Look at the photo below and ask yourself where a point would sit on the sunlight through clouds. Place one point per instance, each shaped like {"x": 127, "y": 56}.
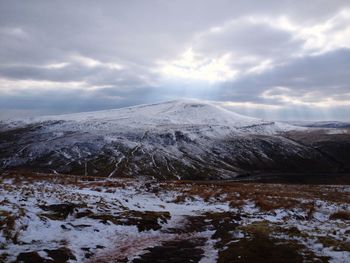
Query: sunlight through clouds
{"x": 192, "y": 66}
{"x": 288, "y": 97}
{"x": 232, "y": 51}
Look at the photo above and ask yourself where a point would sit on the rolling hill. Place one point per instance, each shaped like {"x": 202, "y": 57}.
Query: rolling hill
{"x": 184, "y": 139}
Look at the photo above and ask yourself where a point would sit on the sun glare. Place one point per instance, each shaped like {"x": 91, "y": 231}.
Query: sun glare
{"x": 191, "y": 66}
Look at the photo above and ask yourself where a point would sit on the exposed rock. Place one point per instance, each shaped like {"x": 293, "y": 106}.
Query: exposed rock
{"x": 58, "y": 211}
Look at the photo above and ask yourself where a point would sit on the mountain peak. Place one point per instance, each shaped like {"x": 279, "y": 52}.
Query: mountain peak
{"x": 175, "y": 112}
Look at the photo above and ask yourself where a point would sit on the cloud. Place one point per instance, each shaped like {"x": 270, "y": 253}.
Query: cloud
{"x": 253, "y": 44}
{"x": 247, "y": 37}
{"x": 85, "y": 55}
{"x": 238, "y": 47}
{"x": 321, "y": 80}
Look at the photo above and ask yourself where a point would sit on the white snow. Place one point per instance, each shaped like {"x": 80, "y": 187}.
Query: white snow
{"x": 35, "y": 232}
{"x": 167, "y": 113}
{"x": 155, "y": 134}
{"x": 185, "y": 114}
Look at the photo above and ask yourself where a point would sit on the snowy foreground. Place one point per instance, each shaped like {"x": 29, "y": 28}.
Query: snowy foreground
{"x": 46, "y": 218}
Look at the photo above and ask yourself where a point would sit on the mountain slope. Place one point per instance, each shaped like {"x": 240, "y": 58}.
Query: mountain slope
{"x": 176, "y": 139}
{"x": 172, "y": 112}
{"x": 322, "y": 124}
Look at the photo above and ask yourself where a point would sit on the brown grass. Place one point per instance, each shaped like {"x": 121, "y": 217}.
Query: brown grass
{"x": 342, "y": 215}
{"x": 268, "y": 204}
{"x": 267, "y": 197}
{"x": 7, "y": 225}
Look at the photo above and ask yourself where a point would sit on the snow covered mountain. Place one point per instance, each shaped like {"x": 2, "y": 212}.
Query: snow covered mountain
{"x": 176, "y": 139}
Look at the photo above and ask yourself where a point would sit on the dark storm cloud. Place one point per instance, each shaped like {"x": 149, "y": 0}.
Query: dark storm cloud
{"x": 113, "y": 51}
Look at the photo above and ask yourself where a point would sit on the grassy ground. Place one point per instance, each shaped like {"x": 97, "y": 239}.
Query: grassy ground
{"x": 51, "y": 218}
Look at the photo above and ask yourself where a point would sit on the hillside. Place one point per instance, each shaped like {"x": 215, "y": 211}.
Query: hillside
{"x": 55, "y": 219}
{"x": 178, "y": 139}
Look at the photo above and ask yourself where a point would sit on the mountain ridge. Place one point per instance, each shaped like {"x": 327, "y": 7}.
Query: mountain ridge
{"x": 176, "y": 139}
{"x": 171, "y": 110}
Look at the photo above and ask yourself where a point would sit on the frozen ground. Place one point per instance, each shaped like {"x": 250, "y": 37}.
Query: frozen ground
{"x": 48, "y": 218}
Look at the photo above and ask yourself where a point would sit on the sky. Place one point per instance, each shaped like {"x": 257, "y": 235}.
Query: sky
{"x": 281, "y": 59}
